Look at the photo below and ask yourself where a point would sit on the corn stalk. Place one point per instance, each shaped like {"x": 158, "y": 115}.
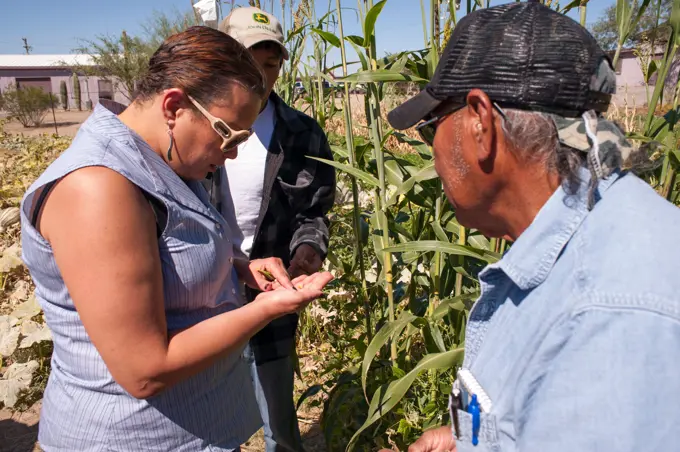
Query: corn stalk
{"x": 582, "y": 10}
{"x": 373, "y": 119}
{"x": 349, "y": 139}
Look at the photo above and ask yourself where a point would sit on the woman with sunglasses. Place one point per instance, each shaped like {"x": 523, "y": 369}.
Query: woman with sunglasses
{"x": 137, "y": 273}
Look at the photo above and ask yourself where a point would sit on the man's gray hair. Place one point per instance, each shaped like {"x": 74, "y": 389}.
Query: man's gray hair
{"x": 534, "y": 136}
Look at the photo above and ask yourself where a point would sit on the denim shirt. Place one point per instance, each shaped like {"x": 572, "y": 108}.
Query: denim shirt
{"x": 576, "y": 336}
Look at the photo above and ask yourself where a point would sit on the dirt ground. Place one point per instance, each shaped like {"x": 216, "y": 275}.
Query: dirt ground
{"x": 19, "y": 432}
{"x": 67, "y": 123}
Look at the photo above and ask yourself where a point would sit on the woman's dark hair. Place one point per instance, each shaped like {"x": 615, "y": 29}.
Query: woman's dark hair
{"x": 202, "y": 62}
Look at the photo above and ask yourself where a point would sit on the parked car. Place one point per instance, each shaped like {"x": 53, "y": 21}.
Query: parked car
{"x": 358, "y": 89}
{"x": 299, "y": 89}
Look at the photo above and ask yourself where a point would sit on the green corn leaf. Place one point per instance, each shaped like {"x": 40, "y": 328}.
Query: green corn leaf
{"x": 369, "y": 23}
{"x": 328, "y": 37}
{"x": 439, "y": 232}
{"x": 426, "y": 173}
{"x": 455, "y": 303}
{"x": 445, "y": 247}
{"x": 341, "y": 151}
{"x": 393, "y": 172}
{"x": 356, "y": 40}
{"x": 392, "y": 329}
{"x": 433, "y": 338}
{"x": 674, "y": 21}
{"x": 361, "y": 175}
{"x": 651, "y": 69}
{"x": 310, "y": 392}
{"x": 396, "y": 227}
{"x": 379, "y": 76}
{"x": 387, "y": 396}
{"x": 674, "y": 159}
{"x": 479, "y": 241}
{"x": 641, "y": 11}
{"x": 570, "y": 6}
{"x": 422, "y": 148}
{"x": 623, "y": 14}
{"x": 318, "y": 73}
{"x": 378, "y": 225}
{"x": 360, "y": 53}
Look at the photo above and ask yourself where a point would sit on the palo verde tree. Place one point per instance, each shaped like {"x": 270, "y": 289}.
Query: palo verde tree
{"x": 652, "y": 24}
{"x": 123, "y": 60}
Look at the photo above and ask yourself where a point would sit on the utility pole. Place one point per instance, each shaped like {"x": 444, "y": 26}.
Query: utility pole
{"x": 26, "y": 46}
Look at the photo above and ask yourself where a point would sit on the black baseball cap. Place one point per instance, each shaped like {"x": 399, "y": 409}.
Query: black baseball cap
{"x": 522, "y": 55}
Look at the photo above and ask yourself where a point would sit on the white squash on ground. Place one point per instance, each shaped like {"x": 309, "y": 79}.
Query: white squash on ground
{"x": 9, "y": 217}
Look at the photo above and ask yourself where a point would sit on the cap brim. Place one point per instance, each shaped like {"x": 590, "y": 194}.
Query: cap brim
{"x": 413, "y": 110}
{"x": 256, "y": 39}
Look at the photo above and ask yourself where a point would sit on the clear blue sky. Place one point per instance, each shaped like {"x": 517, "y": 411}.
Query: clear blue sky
{"x": 55, "y": 26}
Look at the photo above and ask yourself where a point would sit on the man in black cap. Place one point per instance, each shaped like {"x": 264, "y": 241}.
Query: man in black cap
{"x": 574, "y": 341}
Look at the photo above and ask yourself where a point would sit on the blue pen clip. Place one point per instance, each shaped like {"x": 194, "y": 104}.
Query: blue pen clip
{"x": 473, "y": 409}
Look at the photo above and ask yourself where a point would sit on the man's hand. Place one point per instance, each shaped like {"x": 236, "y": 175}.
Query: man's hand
{"x": 252, "y": 273}
{"x": 436, "y": 440}
{"x": 305, "y": 262}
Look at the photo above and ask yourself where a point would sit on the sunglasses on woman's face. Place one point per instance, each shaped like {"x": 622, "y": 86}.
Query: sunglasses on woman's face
{"x": 230, "y": 137}
{"x": 428, "y": 129}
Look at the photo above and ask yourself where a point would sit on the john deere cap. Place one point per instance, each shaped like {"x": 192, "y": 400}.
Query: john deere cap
{"x": 522, "y": 55}
{"x": 251, "y": 25}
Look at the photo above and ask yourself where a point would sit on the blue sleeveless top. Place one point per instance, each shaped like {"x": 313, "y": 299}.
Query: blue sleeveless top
{"x": 84, "y": 409}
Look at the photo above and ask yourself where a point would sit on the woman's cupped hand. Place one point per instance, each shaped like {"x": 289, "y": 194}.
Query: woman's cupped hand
{"x": 306, "y": 288}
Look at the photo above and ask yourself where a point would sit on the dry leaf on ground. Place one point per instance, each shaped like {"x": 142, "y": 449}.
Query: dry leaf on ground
{"x": 9, "y": 335}
{"x": 22, "y": 290}
{"x": 34, "y": 333}
{"x": 11, "y": 259}
{"x": 17, "y": 378}
{"x": 27, "y": 309}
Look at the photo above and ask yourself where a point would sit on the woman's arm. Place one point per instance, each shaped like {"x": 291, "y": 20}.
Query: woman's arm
{"x": 103, "y": 236}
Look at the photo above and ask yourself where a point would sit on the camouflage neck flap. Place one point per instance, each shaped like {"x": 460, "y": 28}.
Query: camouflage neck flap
{"x": 603, "y": 141}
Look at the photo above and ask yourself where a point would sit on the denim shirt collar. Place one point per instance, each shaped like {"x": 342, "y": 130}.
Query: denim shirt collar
{"x": 536, "y": 250}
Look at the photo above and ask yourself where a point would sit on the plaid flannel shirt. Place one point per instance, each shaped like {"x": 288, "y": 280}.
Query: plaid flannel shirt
{"x": 298, "y": 192}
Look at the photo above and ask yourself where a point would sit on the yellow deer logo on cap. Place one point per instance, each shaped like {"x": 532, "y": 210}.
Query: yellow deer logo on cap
{"x": 261, "y": 18}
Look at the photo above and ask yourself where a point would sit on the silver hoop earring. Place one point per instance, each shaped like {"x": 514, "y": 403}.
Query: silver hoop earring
{"x": 172, "y": 143}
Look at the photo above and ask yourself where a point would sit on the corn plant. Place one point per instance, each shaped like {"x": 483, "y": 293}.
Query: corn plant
{"x": 409, "y": 226}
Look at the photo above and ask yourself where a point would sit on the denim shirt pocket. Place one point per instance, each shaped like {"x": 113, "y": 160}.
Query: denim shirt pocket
{"x": 488, "y": 433}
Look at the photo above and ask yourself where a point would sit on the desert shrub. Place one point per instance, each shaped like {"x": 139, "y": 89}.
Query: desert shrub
{"x": 28, "y": 105}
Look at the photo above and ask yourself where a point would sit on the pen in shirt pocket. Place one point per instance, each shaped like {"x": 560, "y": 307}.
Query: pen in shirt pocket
{"x": 456, "y": 404}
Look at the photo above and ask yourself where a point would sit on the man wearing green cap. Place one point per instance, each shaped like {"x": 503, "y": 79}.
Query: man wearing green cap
{"x": 281, "y": 199}
{"x": 572, "y": 345}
